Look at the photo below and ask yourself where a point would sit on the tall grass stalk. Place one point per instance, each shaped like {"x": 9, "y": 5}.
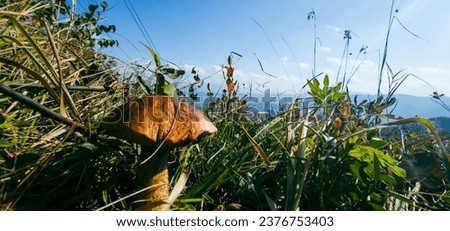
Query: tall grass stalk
{"x": 312, "y": 16}
{"x": 385, "y": 49}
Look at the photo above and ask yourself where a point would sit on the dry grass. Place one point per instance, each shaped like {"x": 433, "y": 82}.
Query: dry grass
{"x": 332, "y": 158}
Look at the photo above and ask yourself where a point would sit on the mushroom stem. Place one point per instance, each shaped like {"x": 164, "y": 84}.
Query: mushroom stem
{"x": 155, "y": 121}
{"x": 153, "y": 174}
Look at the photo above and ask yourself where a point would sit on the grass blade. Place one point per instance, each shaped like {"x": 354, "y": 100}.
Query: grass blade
{"x": 154, "y": 55}
{"x": 178, "y": 188}
{"x": 34, "y": 74}
{"x": 258, "y": 149}
{"x": 53, "y": 74}
{"x": 433, "y": 131}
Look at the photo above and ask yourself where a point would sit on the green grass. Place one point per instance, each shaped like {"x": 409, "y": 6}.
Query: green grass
{"x": 337, "y": 156}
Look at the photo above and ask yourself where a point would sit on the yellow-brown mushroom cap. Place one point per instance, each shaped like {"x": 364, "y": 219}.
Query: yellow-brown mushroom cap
{"x": 153, "y": 120}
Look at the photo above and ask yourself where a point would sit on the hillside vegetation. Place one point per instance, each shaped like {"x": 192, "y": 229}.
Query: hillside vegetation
{"x": 337, "y": 154}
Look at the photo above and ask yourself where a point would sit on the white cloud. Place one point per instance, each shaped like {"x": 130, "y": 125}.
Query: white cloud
{"x": 338, "y": 61}
{"x": 330, "y": 73}
{"x": 334, "y": 60}
{"x": 304, "y": 66}
{"x": 238, "y": 73}
{"x": 363, "y": 84}
{"x": 217, "y": 68}
{"x": 364, "y": 81}
{"x": 325, "y": 49}
{"x": 431, "y": 79}
{"x": 334, "y": 28}
{"x": 431, "y": 70}
{"x": 368, "y": 62}
{"x": 188, "y": 69}
{"x": 437, "y": 77}
{"x": 413, "y": 8}
{"x": 285, "y": 60}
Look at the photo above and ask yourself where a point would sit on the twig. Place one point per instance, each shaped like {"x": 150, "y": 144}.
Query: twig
{"x": 40, "y": 108}
{"x": 70, "y": 88}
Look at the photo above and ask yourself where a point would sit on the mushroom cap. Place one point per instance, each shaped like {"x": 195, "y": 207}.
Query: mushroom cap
{"x": 156, "y": 120}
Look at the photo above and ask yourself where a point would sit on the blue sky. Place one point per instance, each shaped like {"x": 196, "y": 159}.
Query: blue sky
{"x": 203, "y": 33}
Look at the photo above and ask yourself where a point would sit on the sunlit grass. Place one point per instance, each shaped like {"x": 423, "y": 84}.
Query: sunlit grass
{"x": 336, "y": 154}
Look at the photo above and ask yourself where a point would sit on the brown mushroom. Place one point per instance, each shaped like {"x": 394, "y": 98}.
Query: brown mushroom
{"x": 158, "y": 124}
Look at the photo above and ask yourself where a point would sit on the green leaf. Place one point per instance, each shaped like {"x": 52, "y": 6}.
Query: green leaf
{"x": 230, "y": 60}
{"x": 368, "y": 169}
{"x": 155, "y": 56}
{"x": 379, "y": 99}
{"x": 446, "y": 198}
{"x": 388, "y": 179}
{"x": 105, "y": 196}
{"x": 354, "y": 196}
{"x": 376, "y": 167}
{"x": 103, "y": 5}
{"x": 170, "y": 90}
{"x": 387, "y": 160}
{"x": 377, "y": 143}
{"x": 353, "y": 139}
{"x": 398, "y": 171}
{"x": 92, "y": 8}
{"x": 376, "y": 207}
{"x": 398, "y": 196}
{"x": 326, "y": 82}
{"x": 314, "y": 87}
{"x": 336, "y": 90}
{"x": 354, "y": 167}
{"x": 4, "y": 144}
{"x": 208, "y": 86}
{"x": 376, "y": 197}
{"x": 359, "y": 152}
{"x": 172, "y": 72}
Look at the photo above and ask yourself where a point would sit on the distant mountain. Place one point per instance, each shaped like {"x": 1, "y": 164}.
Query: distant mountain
{"x": 407, "y": 105}
{"x": 442, "y": 123}
{"x": 410, "y": 106}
